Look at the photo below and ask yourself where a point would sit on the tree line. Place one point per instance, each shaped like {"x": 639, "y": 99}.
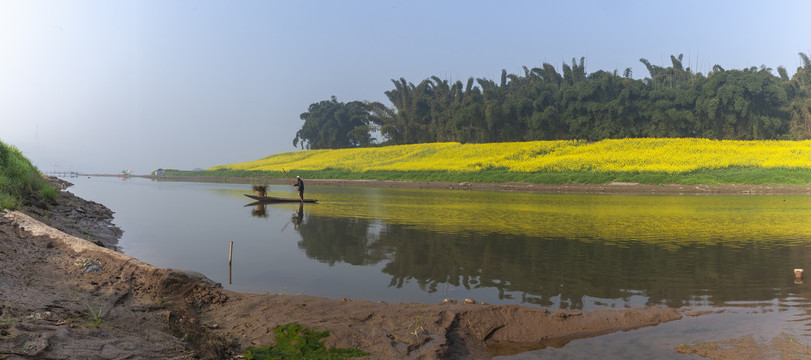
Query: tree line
{"x": 544, "y": 104}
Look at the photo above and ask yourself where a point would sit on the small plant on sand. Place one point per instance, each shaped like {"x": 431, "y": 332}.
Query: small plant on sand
{"x": 418, "y": 329}
{"x": 294, "y": 341}
{"x": 8, "y": 319}
{"x": 95, "y": 314}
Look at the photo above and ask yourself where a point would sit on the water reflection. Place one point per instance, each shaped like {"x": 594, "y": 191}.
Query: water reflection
{"x": 567, "y": 251}
{"x": 558, "y": 251}
{"x": 298, "y": 216}
{"x": 259, "y": 210}
{"x": 555, "y": 272}
{"x": 632, "y": 251}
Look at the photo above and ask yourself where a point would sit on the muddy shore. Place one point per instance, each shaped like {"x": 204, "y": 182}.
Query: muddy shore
{"x": 65, "y": 293}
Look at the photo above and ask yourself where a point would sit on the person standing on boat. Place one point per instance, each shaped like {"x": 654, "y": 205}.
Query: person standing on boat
{"x": 300, "y": 185}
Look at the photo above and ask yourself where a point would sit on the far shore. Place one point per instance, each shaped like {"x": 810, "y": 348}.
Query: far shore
{"x": 619, "y": 188}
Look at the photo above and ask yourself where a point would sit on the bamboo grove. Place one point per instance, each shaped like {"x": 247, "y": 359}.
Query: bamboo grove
{"x": 543, "y": 104}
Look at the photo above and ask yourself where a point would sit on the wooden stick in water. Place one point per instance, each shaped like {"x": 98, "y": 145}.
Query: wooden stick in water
{"x": 230, "y": 252}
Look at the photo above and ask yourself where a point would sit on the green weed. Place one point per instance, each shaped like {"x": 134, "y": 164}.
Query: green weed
{"x": 48, "y": 192}
{"x": 417, "y": 329}
{"x": 95, "y": 315}
{"x": 294, "y": 341}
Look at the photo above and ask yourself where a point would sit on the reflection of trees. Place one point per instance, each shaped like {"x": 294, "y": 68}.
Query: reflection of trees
{"x": 331, "y": 240}
{"x": 540, "y": 270}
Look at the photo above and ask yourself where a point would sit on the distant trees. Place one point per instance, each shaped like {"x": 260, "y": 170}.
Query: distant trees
{"x": 330, "y": 124}
{"x": 543, "y": 104}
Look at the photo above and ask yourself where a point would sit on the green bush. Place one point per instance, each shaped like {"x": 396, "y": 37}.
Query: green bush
{"x": 48, "y": 192}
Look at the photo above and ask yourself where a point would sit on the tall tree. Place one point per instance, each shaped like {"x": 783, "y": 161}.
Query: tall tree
{"x": 799, "y": 106}
{"x": 330, "y": 124}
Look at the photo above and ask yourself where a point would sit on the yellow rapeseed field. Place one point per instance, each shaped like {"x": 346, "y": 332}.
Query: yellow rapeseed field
{"x": 620, "y": 155}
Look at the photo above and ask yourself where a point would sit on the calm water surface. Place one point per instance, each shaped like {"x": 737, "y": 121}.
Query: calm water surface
{"x": 734, "y": 253}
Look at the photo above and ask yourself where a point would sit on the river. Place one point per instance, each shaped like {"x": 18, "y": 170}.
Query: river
{"x": 733, "y": 254}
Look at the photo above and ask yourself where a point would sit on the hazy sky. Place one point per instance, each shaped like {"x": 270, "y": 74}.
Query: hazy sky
{"x": 98, "y": 86}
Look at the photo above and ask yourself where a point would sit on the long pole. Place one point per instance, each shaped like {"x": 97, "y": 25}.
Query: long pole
{"x": 230, "y": 252}
{"x": 294, "y": 185}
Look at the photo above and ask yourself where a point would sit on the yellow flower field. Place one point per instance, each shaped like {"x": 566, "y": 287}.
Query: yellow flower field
{"x": 621, "y": 155}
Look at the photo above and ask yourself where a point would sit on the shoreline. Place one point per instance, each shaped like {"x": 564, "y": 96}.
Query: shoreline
{"x": 615, "y": 188}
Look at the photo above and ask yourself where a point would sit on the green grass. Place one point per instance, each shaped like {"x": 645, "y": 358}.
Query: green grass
{"x": 733, "y": 175}
{"x": 95, "y": 315}
{"x": 19, "y": 180}
{"x": 294, "y": 341}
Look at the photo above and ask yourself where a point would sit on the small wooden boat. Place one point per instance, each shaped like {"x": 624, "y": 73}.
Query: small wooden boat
{"x": 270, "y": 199}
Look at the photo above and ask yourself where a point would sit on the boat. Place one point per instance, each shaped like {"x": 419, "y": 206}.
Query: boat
{"x": 271, "y": 199}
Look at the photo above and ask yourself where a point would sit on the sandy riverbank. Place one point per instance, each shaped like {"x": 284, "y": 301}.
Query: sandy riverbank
{"x": 66, "y": 297}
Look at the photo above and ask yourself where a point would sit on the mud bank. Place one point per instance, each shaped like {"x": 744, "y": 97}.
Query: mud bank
{"x": 65, "y": 297}
{"x": 73, "y": 215}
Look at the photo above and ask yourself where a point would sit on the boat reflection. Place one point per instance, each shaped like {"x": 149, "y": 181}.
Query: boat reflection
{"x": 259, "y": 209}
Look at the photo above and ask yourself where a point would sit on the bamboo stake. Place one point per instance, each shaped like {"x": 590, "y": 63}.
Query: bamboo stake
{"x": 230, "y": 252}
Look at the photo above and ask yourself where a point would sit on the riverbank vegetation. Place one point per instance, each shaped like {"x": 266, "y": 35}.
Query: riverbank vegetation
{"x": 294, "y": 341}
{"x": 649, "y": 161}
{"x": 673, "y": 101}
{"x": 20, "y": 181}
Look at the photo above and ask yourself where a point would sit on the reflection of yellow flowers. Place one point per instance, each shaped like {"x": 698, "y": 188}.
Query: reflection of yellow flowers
{"x": 623, "y": 155}
{"x": 670, "y": 221}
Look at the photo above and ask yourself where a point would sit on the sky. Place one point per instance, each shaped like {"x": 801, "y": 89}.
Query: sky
{"x": 101, "y": 86}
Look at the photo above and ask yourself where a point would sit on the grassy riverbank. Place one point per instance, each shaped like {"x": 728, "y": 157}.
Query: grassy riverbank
{"x": 645, "y": 161}
{"x": 20, "y": 181}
